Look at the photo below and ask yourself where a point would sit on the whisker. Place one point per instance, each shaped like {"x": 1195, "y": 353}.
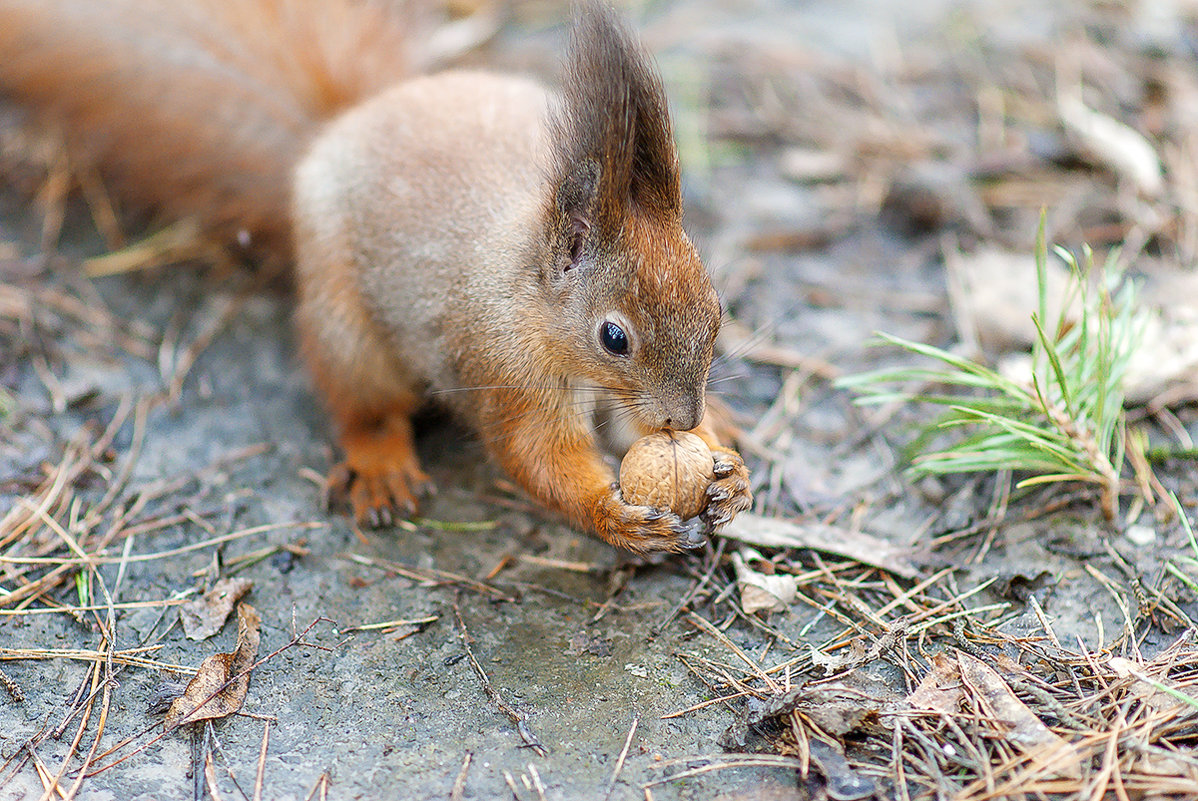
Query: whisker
{"x": 579, "y": 411}
{"x": 746, "y": 343}
{"x": 608, "y": 404}
{"x": 486, "y": 387}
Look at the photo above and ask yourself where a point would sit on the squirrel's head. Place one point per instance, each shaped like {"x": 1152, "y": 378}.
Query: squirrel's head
{"x": 634, "y": 304}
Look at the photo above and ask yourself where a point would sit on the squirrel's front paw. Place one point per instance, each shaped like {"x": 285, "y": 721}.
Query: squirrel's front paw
{"x": 729, "y": 494}
{"x": 643, "y": 529}
{"x": 378, "y": 494}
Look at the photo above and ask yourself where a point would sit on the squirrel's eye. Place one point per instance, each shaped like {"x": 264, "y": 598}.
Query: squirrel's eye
{"x": 614, "y": 339}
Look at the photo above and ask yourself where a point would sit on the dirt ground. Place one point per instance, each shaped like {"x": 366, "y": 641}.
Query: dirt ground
{"x": 840, "y": 159}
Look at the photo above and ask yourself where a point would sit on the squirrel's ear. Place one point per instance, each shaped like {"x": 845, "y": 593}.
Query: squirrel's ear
{"x": 576, "y": 201}
{"x": 612, "y": 115}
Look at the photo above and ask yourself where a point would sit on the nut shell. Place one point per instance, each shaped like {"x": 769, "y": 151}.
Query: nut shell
{"x": 668, "y": 470}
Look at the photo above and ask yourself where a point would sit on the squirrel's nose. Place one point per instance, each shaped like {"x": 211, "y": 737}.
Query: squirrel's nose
{"x": 685, "y": 415}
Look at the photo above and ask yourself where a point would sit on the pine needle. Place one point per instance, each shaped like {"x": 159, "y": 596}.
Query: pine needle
{"x": 1065, "y": 424}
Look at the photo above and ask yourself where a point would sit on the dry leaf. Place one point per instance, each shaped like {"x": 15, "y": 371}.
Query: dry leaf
{"x": 838, "y": 709}
{"x": 1162, "y": 370}
{"x": 835, "y": 709}
{"x": 1165, "y": 365}
{"x": 812, "y": 166}
{"x": 769, "y": 532}
{"x": 219, "y": 687}
{"x": 761, "y": 592}
{"x": 1051, "y": 753}
{"x": 831, "y": 663}
{"x": 940, "y": 690}
{"x": 1114, "y": 145}
{"x": 205, "y": 616}
{"x": 994, "y": 295}
{"x": 1152, "y": 695}
{"x": 1163, "y": 765}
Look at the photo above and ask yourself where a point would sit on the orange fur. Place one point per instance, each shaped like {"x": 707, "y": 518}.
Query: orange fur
{"x": 464, "y": 236}
{"x": 199, "y": 108}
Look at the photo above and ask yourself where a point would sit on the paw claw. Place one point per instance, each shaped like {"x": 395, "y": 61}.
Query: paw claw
{"x": 645, "y": 529}
{"x": 693, "y": 534}
{"x": 378, "y": 497}
{"x": 717, "y": 493}
{"x": 729, "y": 494}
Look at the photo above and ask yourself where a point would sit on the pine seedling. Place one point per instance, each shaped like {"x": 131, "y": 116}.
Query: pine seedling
{"x": 1063, "y": 424}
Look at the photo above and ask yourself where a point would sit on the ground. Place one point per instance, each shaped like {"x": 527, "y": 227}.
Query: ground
{"x": 840, "y": 159}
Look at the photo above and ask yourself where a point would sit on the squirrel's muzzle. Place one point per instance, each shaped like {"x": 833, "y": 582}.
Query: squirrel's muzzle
{"x": 683, "y": 414}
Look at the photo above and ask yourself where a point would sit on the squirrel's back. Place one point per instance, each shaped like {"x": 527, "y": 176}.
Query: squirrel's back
{"x": 199, "y": 108}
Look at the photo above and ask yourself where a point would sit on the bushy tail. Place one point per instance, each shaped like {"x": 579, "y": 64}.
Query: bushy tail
{"x": 198, "y": 107}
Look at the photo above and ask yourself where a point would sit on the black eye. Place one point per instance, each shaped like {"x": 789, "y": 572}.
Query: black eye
{"x": 614, "y": 339}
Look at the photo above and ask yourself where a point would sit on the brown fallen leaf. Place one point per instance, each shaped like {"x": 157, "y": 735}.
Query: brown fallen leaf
{"x": 1048, "y": 753}
{"x": 205, "y": 616}
{"x": 220, "y": 685}
{"x": 762, "y": 592}
{"x": 834, "y": 710}
{"x": 1147, "y": 689}
{"x": 832, "y": 663}
{"x": 1113, "y": 145}
{"x": 940, "y": 690}
{"x": 994, "y": 295}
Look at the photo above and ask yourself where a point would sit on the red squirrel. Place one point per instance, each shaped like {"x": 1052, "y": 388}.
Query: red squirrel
{"x": 512, "y": 252}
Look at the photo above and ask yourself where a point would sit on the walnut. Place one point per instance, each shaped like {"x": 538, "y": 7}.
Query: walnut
{"x": 668, "y": 470}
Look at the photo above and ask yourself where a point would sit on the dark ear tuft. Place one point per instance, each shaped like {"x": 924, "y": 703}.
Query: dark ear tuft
{"x": 612, "y": 123}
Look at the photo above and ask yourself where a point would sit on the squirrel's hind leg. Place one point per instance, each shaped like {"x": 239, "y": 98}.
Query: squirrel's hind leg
{"x": 370, "y": 395}
{"x": 381, "y": 475}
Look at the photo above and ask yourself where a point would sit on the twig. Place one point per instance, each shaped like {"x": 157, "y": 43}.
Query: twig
{"x": 693, "y": 590}
{"x": 296, "y": 639}
{"x": 261, "y": 762}
{"x": 210, "y": 778}
{"x": 432, "y": 576}
{"x": 320, "y": 789}
{"x": 459, "y": 784}
{"x": 724, "y": 762}
{"x": 515, "y": 717}
{"x": 149, "y": 557}
{"x": 706, "y": 626}
{"x": 611, "y": 783}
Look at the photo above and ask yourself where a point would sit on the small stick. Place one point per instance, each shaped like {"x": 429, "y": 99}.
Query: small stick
{"x": 91, "y": 754}
{"x": 511, "y": 783}
{"x": 459, "y": 784}
{"x": 537, "y": 784}
{"x": 261, "y": 762}
{"x": 210, "y": 778}
{"x": 611, "y": 784}
{"x": 321, "y": 787}
{"x": 515, "y": 717}
{"x": 704, "y": 705}
{"x": 296, "y": 640}
{"x": 692, "y": 591}
{"x": 706, "y": 626}
{"x": 431, "y": 575}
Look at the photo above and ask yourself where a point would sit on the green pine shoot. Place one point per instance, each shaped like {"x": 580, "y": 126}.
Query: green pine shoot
{"x": 1066, "y": 425}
